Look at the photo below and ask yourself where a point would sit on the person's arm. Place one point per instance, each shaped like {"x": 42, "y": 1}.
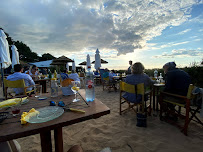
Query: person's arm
{"x": 30, "y": 80}
{"x": 168, "y": 82}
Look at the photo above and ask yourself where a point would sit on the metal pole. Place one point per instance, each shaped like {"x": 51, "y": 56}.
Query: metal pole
{"x": 2, "y": 78}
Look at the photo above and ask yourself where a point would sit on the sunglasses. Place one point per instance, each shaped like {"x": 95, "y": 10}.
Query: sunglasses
{"x": 60, "y": 104}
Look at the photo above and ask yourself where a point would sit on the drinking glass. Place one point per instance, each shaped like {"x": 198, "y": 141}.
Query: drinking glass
{"x": 16, "y": 108}
{"x": 38, "y": 90}
{"x": 75, "y": 86}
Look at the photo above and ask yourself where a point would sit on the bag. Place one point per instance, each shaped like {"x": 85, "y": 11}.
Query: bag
{"x": 141, "y": 120}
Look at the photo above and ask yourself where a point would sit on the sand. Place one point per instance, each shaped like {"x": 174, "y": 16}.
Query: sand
{"x": 120, "y": 133}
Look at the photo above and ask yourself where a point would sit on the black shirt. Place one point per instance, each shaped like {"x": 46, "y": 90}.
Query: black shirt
{"x": 177, "y": 82}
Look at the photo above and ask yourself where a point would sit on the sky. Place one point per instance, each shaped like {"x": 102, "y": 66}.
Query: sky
{"x": 152, "y": 32}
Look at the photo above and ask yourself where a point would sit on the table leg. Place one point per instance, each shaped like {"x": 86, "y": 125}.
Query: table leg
{"x": 154, "y": 98}
{"x": 46, "y": 141}
{"x": 157, "y": 92}
{"x": 58, "y": 138}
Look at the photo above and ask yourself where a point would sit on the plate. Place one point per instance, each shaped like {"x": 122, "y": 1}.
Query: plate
{"x": 42, "y": 98}
{"x": 46, "y": 114}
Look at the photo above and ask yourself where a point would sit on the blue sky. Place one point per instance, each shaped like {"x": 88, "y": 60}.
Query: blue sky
{"x": 151, "y": 31}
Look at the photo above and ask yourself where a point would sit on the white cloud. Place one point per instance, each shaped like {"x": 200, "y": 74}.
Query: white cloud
{"x": 72, "y": 26}
{"x": 183, "y": 32}
{"x": 181, "y": 53}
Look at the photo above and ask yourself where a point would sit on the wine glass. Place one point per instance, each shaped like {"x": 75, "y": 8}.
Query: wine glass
{"x": 16, "y": 108}
{"x": 75, "y": 86}
{"x": 38, "y": 90}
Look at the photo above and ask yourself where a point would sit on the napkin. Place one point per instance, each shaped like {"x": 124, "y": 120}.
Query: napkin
{"x": 27, "y": 115}
{"x": 11, "y": 102}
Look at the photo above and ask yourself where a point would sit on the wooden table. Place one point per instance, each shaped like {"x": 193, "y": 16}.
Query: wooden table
{"x": 43, "y": 82}
{"x": 156, "y": 88}
{"x": 12, "y": 129}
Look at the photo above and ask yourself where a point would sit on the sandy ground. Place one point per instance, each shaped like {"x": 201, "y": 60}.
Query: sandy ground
{"x": 119, "y": 132}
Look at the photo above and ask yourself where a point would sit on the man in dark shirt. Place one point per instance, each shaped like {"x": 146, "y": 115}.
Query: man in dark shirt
{"x": 176, "y": 81}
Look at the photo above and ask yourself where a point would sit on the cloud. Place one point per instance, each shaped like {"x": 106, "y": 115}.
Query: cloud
{"x": 183, "y": 32}
{"x": 181, "y": 53}
{"x": 72, "y": 26}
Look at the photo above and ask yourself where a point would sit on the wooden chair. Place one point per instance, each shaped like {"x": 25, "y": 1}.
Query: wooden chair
{"x": 108, "y": 85}
{"x": 180, "y": 101}
{"x": 16, "y": 84}
{"x": 135, "y": 89}
{"x": 66, "y": 82}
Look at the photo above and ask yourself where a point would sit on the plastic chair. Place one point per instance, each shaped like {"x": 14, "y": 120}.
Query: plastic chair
{"x": 16, "y": 84}
{"x": 167, "y": 103}
{"x": 135, "y": 89}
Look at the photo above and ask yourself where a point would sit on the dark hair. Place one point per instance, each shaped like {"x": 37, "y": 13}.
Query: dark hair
{"x": 137, "y": 68}
{"x": 34, "y": 66}
{"x": 17, "y": 67}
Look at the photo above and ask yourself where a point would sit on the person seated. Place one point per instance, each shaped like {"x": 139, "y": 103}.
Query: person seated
{"x": 176, "y": 81}
{"x": 19, "y": 75}
{"x": 43, "y": 71}
{"x": 106, "y": 73}
{"x": 138, "y": 76}
{"x": 64, "y": 75}
{"x": 74, "y": 76}
{"x": 33, "y": 72}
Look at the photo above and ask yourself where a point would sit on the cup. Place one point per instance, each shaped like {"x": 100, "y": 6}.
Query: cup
{"x": 38, "y": 90}
{"x": 16, "y": 108}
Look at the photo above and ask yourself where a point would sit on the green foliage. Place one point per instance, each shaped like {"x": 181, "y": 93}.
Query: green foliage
{"x": 25, "y": 52}
{"x": 196, "y": 74}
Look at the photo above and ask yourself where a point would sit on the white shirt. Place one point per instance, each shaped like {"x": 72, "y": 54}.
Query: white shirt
{"x": 17, "y": 76}
{"x": 74, "y": 76}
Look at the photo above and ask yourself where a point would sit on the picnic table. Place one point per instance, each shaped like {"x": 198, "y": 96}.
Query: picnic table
{"x": 11, "y": 128}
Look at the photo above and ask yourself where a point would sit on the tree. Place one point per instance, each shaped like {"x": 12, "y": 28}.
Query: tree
{"x": 25, "y": 52}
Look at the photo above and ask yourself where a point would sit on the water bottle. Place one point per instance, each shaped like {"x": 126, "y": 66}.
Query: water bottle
{"x": 54, "y": 87}
{"x": 89, "y": 85}
{"x": 155, "y": 74}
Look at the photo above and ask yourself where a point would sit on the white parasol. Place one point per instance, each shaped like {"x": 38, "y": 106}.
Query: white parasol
{"x": 67, "y": 66}
{"x": 15, "y": 56}
{"x": 88, "y": 61}
{"x": 73, "y": 65}
{"x": 5, "y": 59}
{"x": 97, "y": 60}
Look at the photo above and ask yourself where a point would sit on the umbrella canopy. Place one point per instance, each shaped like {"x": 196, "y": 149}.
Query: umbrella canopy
{"x": 102, "y": 61}
{"x": 61, "y": 61}
{"x": 88, "y": 61}
{"x": 67, "y": 66}
{"x": 15, "y": 55}
{"x": 97, "y": 60}
{"x": 4, "y": 51}
{"x": 73, "y": 65}
{"x": 83, "y": 63}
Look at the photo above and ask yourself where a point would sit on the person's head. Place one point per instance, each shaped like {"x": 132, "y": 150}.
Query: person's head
{"x": 169, "y": 66}
{"x": 34, "y": 69}
{"x": 106, "y": 70}
{"x": 18, "y": 68}
{"x": 137, "y": 68}
{"x": 113, "y": 71}
{"x": 130, "y": 62}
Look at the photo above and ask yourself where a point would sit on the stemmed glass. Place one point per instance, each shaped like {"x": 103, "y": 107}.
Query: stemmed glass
{"x": 75, "y": 86}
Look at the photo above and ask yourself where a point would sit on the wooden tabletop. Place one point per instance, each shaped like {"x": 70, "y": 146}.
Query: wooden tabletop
{"x": 11, "y": 128}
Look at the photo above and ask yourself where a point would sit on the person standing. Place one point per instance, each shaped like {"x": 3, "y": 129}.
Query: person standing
{"x": 129, "y": 69}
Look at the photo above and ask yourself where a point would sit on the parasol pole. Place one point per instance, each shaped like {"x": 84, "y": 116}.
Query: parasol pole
{"x": 2, "y": 79}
